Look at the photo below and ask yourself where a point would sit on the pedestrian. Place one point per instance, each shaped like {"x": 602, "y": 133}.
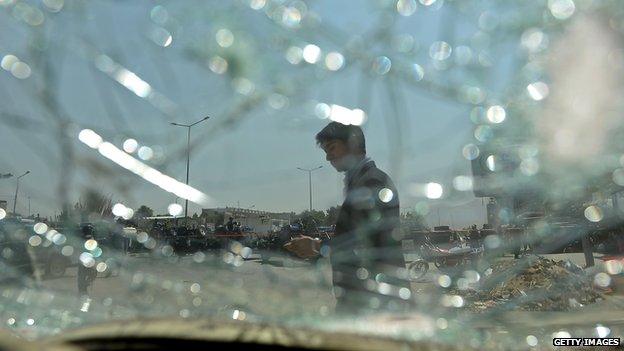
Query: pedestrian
{"x": 86, "y": 270}
{"x": 365, "y": 252}
{"x": 230, "y": 225}
{"x": 475, "y": 237}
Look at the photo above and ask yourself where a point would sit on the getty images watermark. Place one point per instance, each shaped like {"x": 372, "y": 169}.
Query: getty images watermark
{"x": 586, "y": 342}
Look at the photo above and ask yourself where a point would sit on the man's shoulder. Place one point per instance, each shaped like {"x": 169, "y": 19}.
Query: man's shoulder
{"x": 375, "y": 176}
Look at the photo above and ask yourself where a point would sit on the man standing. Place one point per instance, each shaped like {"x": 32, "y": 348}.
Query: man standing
{"x": 230, "y": 225}
{"x": 366, "y": 251}
{"x": 86, "y": 275}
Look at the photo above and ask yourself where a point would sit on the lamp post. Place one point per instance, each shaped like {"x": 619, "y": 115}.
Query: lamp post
{"x": 310, "y": 180}
{"x": 16, "y": 190}
{"x": 188, "y": 153}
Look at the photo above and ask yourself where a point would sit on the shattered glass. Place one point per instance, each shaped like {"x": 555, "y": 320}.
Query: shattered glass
{"x": 159, "y": 157}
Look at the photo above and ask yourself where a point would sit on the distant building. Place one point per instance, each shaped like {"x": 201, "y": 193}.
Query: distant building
{"x": 258, "y": 221}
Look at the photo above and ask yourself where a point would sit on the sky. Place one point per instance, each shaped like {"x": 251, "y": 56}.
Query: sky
{"x": 414, "y": 135}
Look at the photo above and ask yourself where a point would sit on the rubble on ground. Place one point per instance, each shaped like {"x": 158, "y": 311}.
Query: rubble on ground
{"x": 532, "y": 284}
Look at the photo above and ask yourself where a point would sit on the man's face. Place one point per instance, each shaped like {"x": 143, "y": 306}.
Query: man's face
{"x": 337, "y": 153}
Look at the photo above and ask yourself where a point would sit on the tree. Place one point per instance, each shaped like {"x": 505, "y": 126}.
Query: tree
{"x": 91, "y": 205}
{"x": 311, "y": 219}
{"x": 332, "y": 215}
{"x": 212, "y": 216}
{"x": 144, "y": 211}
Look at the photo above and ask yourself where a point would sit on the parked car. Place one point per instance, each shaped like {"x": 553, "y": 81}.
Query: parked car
{"x": 22, "y": 251}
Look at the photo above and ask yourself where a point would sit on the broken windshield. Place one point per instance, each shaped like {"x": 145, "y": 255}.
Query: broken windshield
{"x": 432, "y": 170}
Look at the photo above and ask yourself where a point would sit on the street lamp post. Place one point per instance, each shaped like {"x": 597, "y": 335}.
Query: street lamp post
{"x": 310, "y": 180}
{"x": 188, "y": 153}
{"x": 16, "y": 190}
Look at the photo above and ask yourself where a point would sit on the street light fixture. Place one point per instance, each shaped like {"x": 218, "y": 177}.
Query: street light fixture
{"x": 16, "y": 190}
{"x": 310, "y": 180}
{"x": 188, "y": 153}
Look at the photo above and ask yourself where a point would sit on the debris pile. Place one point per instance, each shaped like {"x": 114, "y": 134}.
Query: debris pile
{"x": 532, "y": 284}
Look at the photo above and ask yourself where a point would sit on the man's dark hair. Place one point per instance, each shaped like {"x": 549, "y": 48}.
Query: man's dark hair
{"x": 352, "y": 135}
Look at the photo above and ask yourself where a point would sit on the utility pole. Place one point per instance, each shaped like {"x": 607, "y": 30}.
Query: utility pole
{"x": 451, "y": 215}
{"x": 310, "y": 180}
{"x": 188, "y": 153}
{"x": 16, "y": 190}
{"x": 439, "y": 223}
